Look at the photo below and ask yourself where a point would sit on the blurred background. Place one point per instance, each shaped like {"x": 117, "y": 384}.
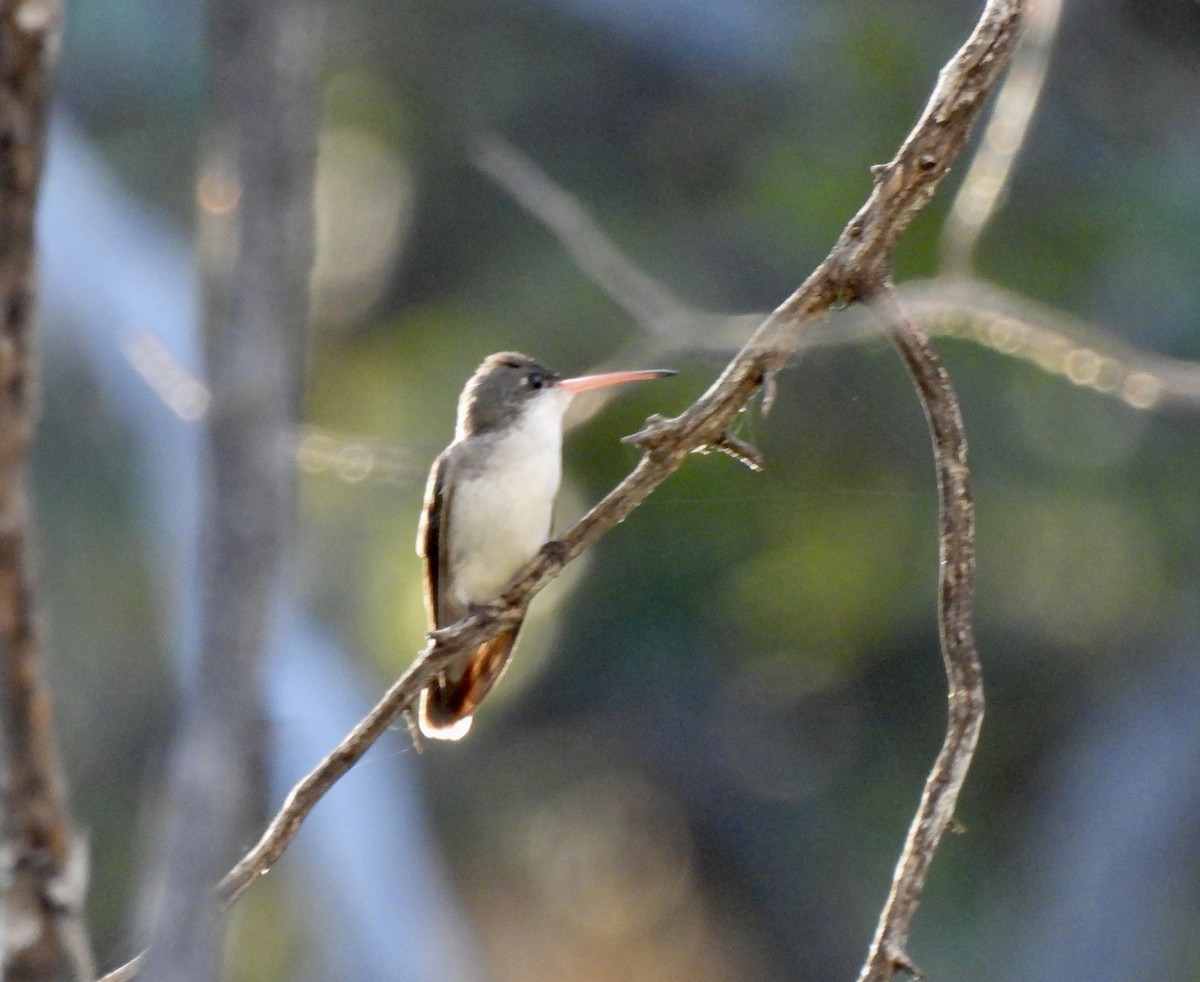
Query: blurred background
{"x": 705, "y": 757}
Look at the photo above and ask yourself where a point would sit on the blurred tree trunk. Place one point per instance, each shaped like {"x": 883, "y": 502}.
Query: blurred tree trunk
{"x": 43, "y": 882}
{"x": 255, "y": 200}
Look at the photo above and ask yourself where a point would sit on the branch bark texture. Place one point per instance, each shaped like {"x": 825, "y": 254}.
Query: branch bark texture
{"x": 858, "y": 267}
{"x": 964, "y": 674}
{"x": 41, "y": 883}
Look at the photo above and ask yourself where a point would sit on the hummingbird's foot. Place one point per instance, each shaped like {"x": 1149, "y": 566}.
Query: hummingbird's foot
{"x": 492, "y": 610}
{"x": 556, "y": 551}
{"x": 652, "y": 434}
{"x": 414, "y": 730}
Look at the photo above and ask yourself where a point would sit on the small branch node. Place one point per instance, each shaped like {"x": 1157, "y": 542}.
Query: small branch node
{"x": 857, "y": 266}
{"x": 654, "y": 434}
{"x": 900, "y": 961}
{"x": 738, "y": 449}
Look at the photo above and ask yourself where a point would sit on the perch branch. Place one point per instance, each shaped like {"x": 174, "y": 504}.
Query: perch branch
{"x": 857, "y": 265}
{"x": 43, "y": 871}
{"x": 952, "y": 304}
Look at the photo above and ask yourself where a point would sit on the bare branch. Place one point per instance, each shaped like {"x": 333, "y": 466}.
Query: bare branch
{"x": 987, "y": 177}
{"x": 956, "y": 305}
{"x": 646, "y": 300}
{"x": 660, "y": 313}
{"x": 44, "y": 875}
{"x": 889, "y": 950}
{"x": 858, "y": 266}
{"x": 316, "y": 783}
{"x": 1052, "y": 340}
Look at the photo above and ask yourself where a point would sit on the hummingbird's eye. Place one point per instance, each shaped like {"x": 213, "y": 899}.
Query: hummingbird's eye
{"x": 536, "y": 380}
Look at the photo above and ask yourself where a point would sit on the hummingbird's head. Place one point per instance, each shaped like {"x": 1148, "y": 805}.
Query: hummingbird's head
{"x": 501, "y": 388}
{"x": 507, "y": 384}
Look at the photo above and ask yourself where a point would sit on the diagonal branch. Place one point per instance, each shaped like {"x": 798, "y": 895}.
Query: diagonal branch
{"x": 858, "y": 264}
{"x": 953, "y": 303}
{"x": 858, "y": 267}
{"x": 643, "y": 298}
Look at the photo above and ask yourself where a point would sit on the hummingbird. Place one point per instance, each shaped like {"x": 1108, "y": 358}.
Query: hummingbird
{"x": 489, "y": 504}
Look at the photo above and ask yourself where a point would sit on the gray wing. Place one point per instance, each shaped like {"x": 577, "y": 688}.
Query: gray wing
{"x": 432, "y": 544}
{"x": 452, "y": 697}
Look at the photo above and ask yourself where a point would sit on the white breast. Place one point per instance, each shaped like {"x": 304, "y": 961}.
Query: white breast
{"x": 501, "y": 513}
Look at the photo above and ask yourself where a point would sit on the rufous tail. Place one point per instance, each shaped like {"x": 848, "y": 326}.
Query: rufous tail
{"x": 448, "y": 704}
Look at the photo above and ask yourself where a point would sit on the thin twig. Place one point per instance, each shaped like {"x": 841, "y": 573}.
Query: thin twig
{"x": 669, "y": 322}
{"x": 951, "y": 304}
{"x": 44, "y": 871}
{"x": 1054, "y": 341}
{"x": 645, "y": 299}
{"x": 956, "y": 546}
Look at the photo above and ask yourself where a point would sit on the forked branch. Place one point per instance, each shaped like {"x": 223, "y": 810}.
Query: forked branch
{"x": 858, "y": 267}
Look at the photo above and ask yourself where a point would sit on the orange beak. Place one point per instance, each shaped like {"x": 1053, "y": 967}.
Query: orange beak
{"x": 585, "y": 382}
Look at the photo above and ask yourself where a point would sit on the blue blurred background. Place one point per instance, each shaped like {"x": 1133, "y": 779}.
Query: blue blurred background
{"x": 703, "y": 762}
